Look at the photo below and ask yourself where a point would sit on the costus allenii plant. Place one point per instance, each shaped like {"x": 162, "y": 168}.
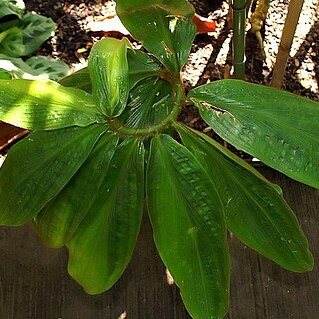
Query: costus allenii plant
{"x": 106, "y": 140}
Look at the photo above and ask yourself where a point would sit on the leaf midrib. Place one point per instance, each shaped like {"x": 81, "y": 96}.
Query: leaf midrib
{"x": 111, "y": 198}
{"x": 237, "y": 182}
{"x": 167, "y": 38}
{"x": 250, "y": 109}
{"x": 93, "y": 198}
{"x": 37, "y": 101}
{"x": 171, "y": 168}
{"x": 66, "y": 145}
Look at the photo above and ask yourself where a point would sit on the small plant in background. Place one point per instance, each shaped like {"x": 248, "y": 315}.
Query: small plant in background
{"x": 21, "y": 34}
{"x": 103, "y": 141}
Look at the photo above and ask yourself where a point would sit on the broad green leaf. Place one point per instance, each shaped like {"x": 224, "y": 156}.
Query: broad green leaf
{"x": 26, "y": 37}
{"x": 279, "y": 128}
{"x": 103, "y": 243}
{"x": 36, "y": 68}
{"x": 36, "y": 29}
{"x": 47, "y": 67}
{"x": 108, "y": 69}
{"x": 164, "y": 27}
{"x": 60, "y": 219}
{"x": 11, "y": 8}
{"x": 189, "y": 227}
{"x": 150, "y": 101}
{"x": 38, "y": 168}
{"x": 140, "y": 66}
{"x": 17, "y": 68}
{"x": 256, "y": 213}
{"x": 11, "y": 42}
{"x": 45, "y": 105}
{"x": 79, "y": 79}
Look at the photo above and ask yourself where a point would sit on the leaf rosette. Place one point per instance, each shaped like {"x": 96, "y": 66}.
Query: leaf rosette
{"x": 102, "y": 143}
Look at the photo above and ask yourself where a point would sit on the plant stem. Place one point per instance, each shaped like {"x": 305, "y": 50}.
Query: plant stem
{"x": 239, "y": 38}
{"x": 294, "y": 10}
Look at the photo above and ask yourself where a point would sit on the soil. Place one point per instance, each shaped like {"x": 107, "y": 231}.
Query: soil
{"x": 78, "y": 29}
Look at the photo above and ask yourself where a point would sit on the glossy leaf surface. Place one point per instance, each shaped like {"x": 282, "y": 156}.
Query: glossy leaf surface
{"x": 45, "y": 105}
{"x": 80, "y": 79}
{"x": 108, "y": 68}
{"x": 256, "y": 213}
{"x": 189, "y": 227}
{"x": 60, "y": 219}
{"x": 164, "y": 27}
{"x": 140, "y": 66}
{"x": 279, "y": 128}
{"x": 104, "y": 242}
{"x": 38, "y": 168}
{"x": 150, "y": 101}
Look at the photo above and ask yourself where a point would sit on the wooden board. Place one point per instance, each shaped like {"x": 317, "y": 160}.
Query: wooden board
{"x": 34, "y": 283}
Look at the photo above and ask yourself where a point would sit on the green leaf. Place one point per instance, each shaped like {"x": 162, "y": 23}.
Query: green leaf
{"x": 60, "y": 219}
{"x": 108, "y": 69}
{"x": 47, "y": 67}
{"x": 164, "y": 27}
{"x": 5, "y": 75}
{"x": 11, "y": 8}
{"x": 140, "y": 66}
{"x": 17, "y": 68}
{"x": 36, "y": 68}
{"x": 279, "y": 128}
{"x": 256, "y": 212}
{"x": 103, "y": 244}
{"x": 45, "y": 105}
{"x": 36, "y": 29}
{"x": 38, "y": 168}
{"x": 27, "y": 36}
{"x": 79, "y": 79}
{"x": 150, "y": 101}
{"x": 8, "y": 24}
{"x": 189, "y": 227}
{"x": 11, "y": 42}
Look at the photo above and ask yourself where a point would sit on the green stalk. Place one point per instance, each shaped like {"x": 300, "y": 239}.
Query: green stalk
{"x": 239, "y": 38}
